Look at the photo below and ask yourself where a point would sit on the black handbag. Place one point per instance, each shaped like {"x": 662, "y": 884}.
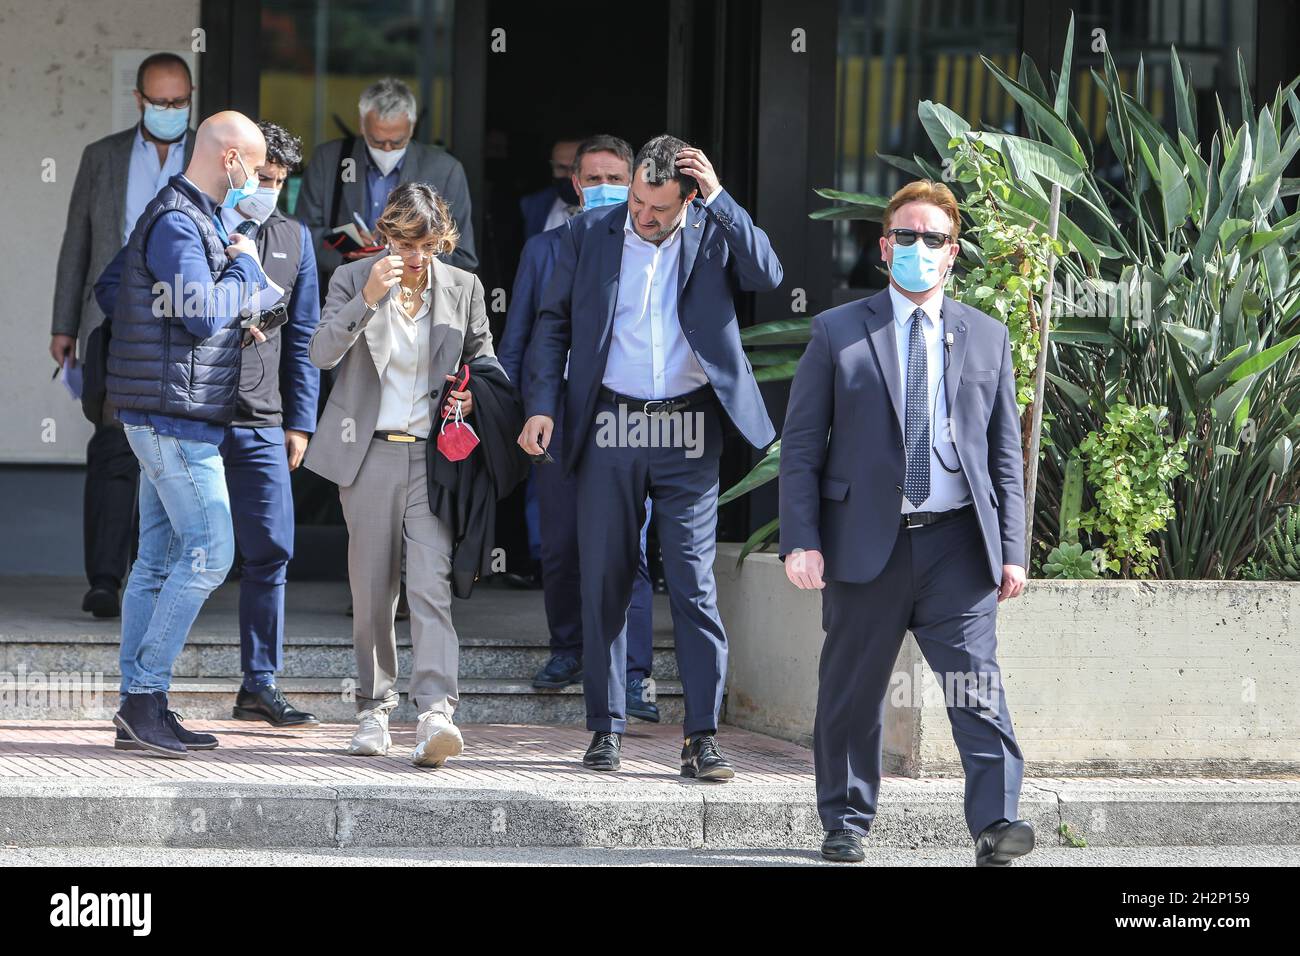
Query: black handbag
{"x": 94, "y": 373}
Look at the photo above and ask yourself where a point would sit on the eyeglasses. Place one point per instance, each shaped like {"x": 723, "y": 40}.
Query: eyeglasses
{"x": 426, "y": 251}
{"x": 908, "y": 237}
{"x": 177, "y": 104}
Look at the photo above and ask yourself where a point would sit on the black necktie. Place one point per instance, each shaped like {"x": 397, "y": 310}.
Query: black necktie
{"x": 916, "y": 430}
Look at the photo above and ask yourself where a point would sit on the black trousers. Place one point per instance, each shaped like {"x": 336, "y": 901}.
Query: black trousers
{"x": 110, "y": 517}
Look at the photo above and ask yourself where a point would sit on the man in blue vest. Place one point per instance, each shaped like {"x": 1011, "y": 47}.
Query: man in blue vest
{"x": 174, "y": 364}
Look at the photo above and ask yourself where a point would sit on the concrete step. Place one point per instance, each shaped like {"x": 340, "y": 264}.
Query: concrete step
{"x": 482, "y": 701}
{"x": 329, "y": 656}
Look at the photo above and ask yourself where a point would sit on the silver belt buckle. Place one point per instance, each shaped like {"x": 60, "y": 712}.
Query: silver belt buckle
{"x": 658, "y": 406}
{"x": 907, "y": 519}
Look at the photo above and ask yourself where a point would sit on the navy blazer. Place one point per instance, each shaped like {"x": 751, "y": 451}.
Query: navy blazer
{"x": 535, "y": 207}
{"x": 842, "y": 459}
{"x": 536, "y": 264}
{"x": 722, "y": 251}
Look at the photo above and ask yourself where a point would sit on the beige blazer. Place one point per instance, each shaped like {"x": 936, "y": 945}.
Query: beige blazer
{"x": 351, "y": 337}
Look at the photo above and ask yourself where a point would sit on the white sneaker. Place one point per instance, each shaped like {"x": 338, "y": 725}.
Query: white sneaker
{"x": 372, "y": 738}
{"x": 437, "y": 738}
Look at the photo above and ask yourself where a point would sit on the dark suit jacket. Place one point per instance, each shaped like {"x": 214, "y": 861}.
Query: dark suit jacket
{"x": 93, "y": 233}
{"x": 722, "y": 251}
{"x": 535, "y": 207}
{"x": 536, "y": 265}
{"x": 421, "y": 164}
{"x": 842, "y": 461}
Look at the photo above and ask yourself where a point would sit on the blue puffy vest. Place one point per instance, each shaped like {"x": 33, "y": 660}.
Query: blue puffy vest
{"x": 154, "y": 363}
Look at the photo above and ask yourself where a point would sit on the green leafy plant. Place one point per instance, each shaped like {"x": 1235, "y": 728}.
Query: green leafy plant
{"x": 1070, "y": 838}
{"x": 1129, "y": 467}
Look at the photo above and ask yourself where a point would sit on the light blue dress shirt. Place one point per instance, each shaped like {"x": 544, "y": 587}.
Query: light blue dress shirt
{"x": 145, "y": 176}
{"x": 378, "y": 186}
{"x": 947, "y": 491}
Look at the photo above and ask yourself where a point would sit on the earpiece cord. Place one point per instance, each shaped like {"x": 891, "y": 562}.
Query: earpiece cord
{"x": 934, "y": 406}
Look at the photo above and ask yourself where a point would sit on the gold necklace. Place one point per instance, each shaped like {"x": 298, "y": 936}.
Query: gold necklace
{"x": 409, "y": 293}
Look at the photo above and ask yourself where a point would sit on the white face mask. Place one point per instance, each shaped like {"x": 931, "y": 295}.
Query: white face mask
{"x": 386, "y": 160}
{"x": 259, "y": 206}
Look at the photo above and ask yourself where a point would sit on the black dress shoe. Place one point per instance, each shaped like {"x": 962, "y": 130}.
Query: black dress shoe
{"x": 143, "y": 718}
{"x": 560, "y": 671}
{"x": 189, "y": 738}
{"x": 101, "y": 601}
{"x": 842, "y": 846}
{"x": 603, "y": 754}
{"x": 268, "y": 704}
{"x": 702, "y": 759}
{"x": 638, "y": 705}
{"x": 1002, "y": 842}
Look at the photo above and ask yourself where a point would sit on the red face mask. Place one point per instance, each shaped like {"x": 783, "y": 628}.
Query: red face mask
{"x": 456, "y": 439}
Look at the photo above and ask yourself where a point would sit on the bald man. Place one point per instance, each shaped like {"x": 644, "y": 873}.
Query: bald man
{"x": 173, "y": 376}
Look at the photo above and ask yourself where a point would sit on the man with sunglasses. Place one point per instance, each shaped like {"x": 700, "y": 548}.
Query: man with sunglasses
{"x": 117, "y": 177}
{"x": 902, "y": 500}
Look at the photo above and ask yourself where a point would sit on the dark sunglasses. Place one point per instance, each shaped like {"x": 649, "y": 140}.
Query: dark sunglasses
{"x": 908, "y": 237}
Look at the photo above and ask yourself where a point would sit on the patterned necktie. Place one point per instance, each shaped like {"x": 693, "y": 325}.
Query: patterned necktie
{"x": 916, "y": 431}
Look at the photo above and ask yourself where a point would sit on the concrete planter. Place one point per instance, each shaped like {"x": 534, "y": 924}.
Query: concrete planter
{"x": 1157, "y": 677}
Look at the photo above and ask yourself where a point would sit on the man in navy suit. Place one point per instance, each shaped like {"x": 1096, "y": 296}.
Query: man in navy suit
{"x": 602, "y": 169}
{"x": 641, "y": 307}
{"x": 902, "y": 499}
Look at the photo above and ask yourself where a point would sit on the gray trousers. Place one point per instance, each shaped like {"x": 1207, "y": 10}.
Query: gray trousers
{"x": 388, "y": 506}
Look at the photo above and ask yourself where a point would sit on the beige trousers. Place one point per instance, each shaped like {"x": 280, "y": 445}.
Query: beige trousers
{"x": 386, "y": 506}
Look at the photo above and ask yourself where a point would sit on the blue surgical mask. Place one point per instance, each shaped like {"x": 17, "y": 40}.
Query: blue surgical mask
{"x": 166, "y": 122}
{"x": 606, "y": 194}
{"x": 260, "y": 205}
{"x": 917, "y": 267}
{"x": 237, "y": 194}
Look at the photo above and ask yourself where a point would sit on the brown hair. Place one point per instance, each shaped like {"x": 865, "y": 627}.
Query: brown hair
{"x": 416, "y": 213}
{"x": 926, "y": 191}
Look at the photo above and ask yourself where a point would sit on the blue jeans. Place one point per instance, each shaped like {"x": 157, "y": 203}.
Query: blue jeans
{"x": 187, "y": 545}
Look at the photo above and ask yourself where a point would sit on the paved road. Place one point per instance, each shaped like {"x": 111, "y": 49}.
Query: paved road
{"x": 1054, "y": 856}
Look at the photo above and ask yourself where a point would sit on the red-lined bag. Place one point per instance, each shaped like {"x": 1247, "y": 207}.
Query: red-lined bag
{"x": 456, "y": 437}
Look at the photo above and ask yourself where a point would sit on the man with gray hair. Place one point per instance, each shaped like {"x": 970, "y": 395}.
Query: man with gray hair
{"x": 354, "y": 175}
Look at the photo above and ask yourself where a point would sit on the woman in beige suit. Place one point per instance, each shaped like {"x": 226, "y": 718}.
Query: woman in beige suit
{"x": 397, "y": 326}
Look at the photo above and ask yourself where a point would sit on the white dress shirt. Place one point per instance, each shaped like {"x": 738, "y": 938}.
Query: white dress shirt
{"x": 649, "y": 356}
{"x": 947, "y": 491}
{"x": 400, "y": 348}
{"x": 560, "y": 213}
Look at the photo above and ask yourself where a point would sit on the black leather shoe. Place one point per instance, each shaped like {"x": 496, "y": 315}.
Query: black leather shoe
{"x": 268, "y": 704}
{"x": 101, "y": 601}
{"x": 702, "y": 759}
{"x": 189, "y": 738}
{"x": 842, "y": 846}
{"x": 639, "y": 705}
{"x": 143, "y": 718}
{"x": 1002, "y": 842}
{"x": 560, "y": 671}
{"x": 603, "y": 754}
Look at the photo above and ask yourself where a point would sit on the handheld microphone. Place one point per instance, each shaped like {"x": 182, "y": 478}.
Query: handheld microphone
{"x": 246, "y": 228}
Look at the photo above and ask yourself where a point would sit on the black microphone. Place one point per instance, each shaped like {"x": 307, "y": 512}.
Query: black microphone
{"x": 247, "y": 228}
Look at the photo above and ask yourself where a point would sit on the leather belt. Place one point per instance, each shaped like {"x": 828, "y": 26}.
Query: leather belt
{"x": 661, "y": 406}
{"x": 398, "y": 436}
{"x": 922, "y": 519}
